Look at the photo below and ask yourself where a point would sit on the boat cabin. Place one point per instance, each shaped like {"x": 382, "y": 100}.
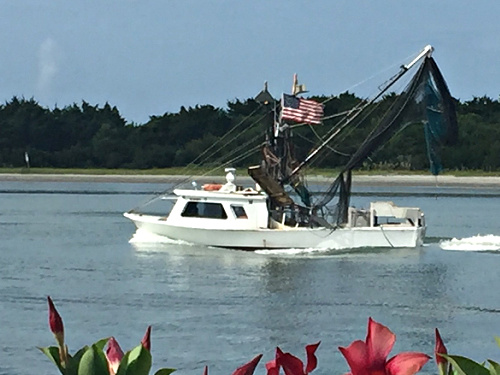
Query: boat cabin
{"x": 219, "y": 209}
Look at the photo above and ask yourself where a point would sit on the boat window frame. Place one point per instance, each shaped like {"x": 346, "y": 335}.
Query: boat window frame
{"x": 241, "y": 215}
{"x": 199, "y": 210}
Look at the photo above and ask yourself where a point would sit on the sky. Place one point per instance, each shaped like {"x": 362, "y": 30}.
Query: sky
{"x": 150, "y": 57}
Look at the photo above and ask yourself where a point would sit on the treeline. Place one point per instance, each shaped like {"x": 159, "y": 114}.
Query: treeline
{"x": 92, "y": 136}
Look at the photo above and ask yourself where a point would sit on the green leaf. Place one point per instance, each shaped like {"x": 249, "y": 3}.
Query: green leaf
{"x": 53, "y": 353}
{"x": 74, "y": 361}
{"x": 494, "y": 367}
{"x": 101, "y": 343}
{"x": 466, "y": 366}
{"x": 135, "y": 362}
{"x": 122, "y": 369}
{"x": 165, "y": 371}
{"x": 78, "y": 355}
{"x": 93, "y": 362}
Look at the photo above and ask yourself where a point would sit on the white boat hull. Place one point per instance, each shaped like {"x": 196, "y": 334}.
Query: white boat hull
{"x": 386, "y": 235}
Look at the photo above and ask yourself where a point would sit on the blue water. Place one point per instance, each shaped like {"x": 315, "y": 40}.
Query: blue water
{"x": 222, "y": 307}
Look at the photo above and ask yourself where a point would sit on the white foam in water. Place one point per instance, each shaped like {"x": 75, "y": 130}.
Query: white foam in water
{"x": 292, "y": 251}
{"x": 487, "y": 242}
{"x": 144, "y": 237}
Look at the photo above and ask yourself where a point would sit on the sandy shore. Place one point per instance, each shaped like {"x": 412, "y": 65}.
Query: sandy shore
{"x": 363, "y": 180}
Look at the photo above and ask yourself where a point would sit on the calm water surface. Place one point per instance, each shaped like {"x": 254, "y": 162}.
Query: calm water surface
{"x": 221, "y": 307}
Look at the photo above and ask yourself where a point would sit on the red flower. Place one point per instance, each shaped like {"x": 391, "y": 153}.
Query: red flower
{"x": 369, "y": 357}
{"x": 55, "y": 322}
{"x": 441, "y": 362}
{"x": 57, "y": 328}
{"x": 146, "y": 340}
{"x": 114, "y": 355}
{"x": 272, "y": 366}
{"x": 291, "y": 364}
{"x": 312, "y": 361}
{"x": 249, "y": 368}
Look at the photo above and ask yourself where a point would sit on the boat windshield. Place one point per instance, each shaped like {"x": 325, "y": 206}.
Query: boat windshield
{"x": 204, "y": 210}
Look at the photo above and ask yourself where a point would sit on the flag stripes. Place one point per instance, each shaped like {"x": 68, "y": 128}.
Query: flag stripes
{"x": 301, "y": 110}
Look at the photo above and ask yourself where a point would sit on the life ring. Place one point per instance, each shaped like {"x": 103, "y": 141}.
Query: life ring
{"x": 212, "y": 187}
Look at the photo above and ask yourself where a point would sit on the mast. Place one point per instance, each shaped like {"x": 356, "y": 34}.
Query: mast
{"x": 426, "y": 52}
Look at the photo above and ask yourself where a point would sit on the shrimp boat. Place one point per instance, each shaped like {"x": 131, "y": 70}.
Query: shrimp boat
{"x": 279, "y": 212}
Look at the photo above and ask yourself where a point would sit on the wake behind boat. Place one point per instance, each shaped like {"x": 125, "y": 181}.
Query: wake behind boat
{"x": 279, "y": 212}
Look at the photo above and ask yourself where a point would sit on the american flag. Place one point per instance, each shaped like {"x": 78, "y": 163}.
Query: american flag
{"x": 301, "y": 110}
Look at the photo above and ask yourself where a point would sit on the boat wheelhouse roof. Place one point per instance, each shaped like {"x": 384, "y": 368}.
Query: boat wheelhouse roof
{"x": 245, "y": 195}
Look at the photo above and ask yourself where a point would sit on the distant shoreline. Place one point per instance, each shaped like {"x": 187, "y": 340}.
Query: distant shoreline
{"x": 361, "y": 180}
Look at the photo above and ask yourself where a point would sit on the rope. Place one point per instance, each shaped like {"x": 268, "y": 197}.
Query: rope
{"x": 220, "y": 161}
{"x": 387, "y": 239}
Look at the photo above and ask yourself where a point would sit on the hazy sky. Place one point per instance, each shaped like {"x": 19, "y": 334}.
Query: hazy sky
{"x": 148, "y": 57}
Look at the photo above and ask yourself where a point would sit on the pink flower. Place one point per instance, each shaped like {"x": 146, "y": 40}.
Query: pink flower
{"x": 369, "y": 357}
{"x": 291, "y": 364}
{"x": 146, "y": 340}
{"x": 114, "y": 355}
{"x": 441, "y": 362}
{"x": 249, "y": 368}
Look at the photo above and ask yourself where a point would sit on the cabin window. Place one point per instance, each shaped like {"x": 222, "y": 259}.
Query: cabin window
{"x": 205, "y": 210}
{"x": 239, "y": 212}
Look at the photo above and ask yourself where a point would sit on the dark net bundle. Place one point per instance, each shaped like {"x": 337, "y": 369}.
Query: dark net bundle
{"x": 426, "y": 100}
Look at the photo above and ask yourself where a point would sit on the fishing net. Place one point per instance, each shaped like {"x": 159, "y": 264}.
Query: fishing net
{"x": 426, "y": 100}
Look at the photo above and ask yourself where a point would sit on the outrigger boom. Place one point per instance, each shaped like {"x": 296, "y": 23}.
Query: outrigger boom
{"x": 426, "y": 52}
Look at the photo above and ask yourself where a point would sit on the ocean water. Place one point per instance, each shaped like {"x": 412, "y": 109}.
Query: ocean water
{"x": 220, "y": 307}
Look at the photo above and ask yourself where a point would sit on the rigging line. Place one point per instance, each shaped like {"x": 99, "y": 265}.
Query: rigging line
{"x": 225, "y": 135}
{"x": 148, "y": 202}
{"x": 227, "y": 160}
{"x": 186, "y": 168}
{"x": 371, "y": 98}
{"x": 352, "y": 113}
{"x": 301, "y": 124}
{"x": 251, "y": 126}
{"x": 240, "y": 157}
{"x": 298, "y": 125}
{"x": 222, "y": 163}
{"x": 319, "y": 138}
{"x": 351, "y": 129}
{"x": 222, "y": 159}
{"x": 401, "y": 110}
{"x": 405, "y": 92}
{"x": 385, "y": 236}
{"x": 338, "y": 114}
{"x": 341, "y": 137}
{"x": 368, "y": 113}
{"x": 381, "y": 88}
{"x": 329, "y": 147}
{"x": 186, "y": 179}
{"x": 411, "y": 56}
{"x": 244, "y": 155}
{"x": 219, "y": 162}
{"x": 191, "y": 164}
